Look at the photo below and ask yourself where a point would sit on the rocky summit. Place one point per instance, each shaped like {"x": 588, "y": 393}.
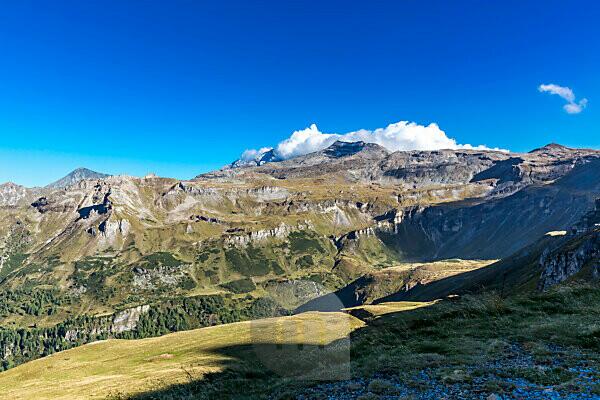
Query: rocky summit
{"x": 75, "y": 176}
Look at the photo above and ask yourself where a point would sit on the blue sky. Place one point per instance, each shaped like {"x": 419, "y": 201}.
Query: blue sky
{"x": 181, "y": 87}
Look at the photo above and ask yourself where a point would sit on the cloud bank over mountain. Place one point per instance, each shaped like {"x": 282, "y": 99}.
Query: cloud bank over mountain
{"x": 399, "y": 136}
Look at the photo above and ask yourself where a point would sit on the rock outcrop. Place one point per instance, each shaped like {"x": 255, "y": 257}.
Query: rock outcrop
{"x": 122, "y": 321}
{"x": 568, "y": 261}
{"x": 127, "y": 320}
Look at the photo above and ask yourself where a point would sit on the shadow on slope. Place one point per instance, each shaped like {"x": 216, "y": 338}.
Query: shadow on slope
{"x": 481, "y": 331}
{"x": 387, "y": 281}
{"x": 496, "y": 228}
{"x": 515, "y": 274}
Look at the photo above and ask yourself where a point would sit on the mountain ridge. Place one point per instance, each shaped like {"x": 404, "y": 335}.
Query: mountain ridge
{"x": 280, "y": 234}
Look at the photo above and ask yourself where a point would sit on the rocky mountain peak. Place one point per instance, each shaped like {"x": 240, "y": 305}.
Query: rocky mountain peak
{"x": 551, "y": 148}
{"x": 263, "y": 157}
{"x": 75, "y": 176}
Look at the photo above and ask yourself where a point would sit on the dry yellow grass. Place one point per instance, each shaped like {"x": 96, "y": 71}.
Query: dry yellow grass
{"x": 97, "y": 370}
{"x": 391, "y": 307}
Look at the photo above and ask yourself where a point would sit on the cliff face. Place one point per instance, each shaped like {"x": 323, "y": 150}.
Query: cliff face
{"x": 564, "y": 263}
{"x": 580, "y": 255}
{"x": 498, "y": 227}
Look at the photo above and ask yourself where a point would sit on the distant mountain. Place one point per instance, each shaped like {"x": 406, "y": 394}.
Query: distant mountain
{"x": 338, "y": 149}
{"x": 339, "y": 157}
{"x": 75, "y": 176}
{"x": 262, "y": 157}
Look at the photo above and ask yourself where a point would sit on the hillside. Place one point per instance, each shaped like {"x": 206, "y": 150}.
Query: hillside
{"x": 556, "y": 257}
{"x": 374, "y": 286}
{"x": 116, "y": 367}
{"x": 535, "y": 345}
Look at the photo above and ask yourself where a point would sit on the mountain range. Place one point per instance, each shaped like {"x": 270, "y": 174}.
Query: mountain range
{"x": 353, "y": 224}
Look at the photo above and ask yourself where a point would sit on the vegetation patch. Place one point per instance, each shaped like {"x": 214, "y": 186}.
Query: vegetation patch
{"x": 159, "y": 259}
{"x": 306, "y": 261}
{"x": 95, "y": 281}
{"x": 32, "y": 301}
{"x": 240, "y": 286}
{"x": 248, "y": 262}
{"x": 304, "y": 242}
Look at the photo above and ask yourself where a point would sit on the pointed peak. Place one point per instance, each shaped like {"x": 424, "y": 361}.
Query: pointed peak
{"x": 83, "y": 170}
{"x": 78, "y": 174}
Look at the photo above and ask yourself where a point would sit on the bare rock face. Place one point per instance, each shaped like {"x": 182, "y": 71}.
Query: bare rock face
{"x": 127, "y": 320}
{"x": 436, "y": 167}
{"x": 162, "y": 276}
{"x": 292, "y": 293}
{"x": 581, "y": 251}
{"x": 560, "y": 265}
{"x": 279, "y": 232}
{"x": 123, "y": 321}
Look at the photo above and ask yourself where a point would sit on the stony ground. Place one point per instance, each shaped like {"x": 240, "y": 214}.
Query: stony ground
{"x": 517, "y": 375}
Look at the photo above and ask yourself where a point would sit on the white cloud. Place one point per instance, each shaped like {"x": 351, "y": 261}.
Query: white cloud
{"x": 575, "y": 108}
{"x": 572, "y": 107}
{"x": 399, "y": 136}
{"x": 564, "y": 92}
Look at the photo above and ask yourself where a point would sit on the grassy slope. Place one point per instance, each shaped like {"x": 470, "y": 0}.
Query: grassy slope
{"x": 441, "y": 337}
{"x": 129, "y": 366}
{"x": 453, "y": 341}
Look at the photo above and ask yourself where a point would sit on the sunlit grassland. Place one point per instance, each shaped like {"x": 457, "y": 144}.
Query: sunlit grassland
{"x": 127, "y": 367}
{"x": 252, "y": 360}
